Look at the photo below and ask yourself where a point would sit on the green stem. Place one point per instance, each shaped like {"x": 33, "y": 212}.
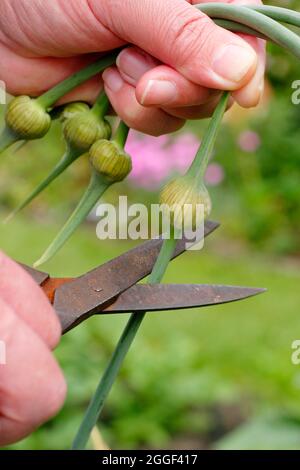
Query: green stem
{"x": 96, "y": 405}
{"x": 101, "y": 105}
{"x": 238, "y": 28}
{"x": 70, "y": 156}
{"x": 48, "y": 99}
{"x": 261, "y": 23}
{"x": 7, "y": 139}
{"x": 277, "y": 13}
{"x": 93, "y": 193}
{"x": 199, "y": 165}
{"x": 121, "y": 135}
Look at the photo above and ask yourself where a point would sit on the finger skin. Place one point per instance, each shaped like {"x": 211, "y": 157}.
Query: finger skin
{"x": 173, "y": 31}
{"x": 24, "y": 296}
{"x": 32, "y": 387}
{"x": 152, "y": 121}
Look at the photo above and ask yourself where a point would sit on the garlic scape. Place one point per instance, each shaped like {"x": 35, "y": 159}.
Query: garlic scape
{"x": 25, "y": 119}
{"x": 29, "y": 118}
{"x": 110, "y": 161}
{"x": 73, "y": 112}
{"x": 110, "y": 164}
{"x": 69, "y": 110}
{"x": 83, "y": 129}
{"x": 184, "y": 196}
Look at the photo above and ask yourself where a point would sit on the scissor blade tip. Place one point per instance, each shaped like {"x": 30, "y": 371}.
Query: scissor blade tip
{"x": 251, "y": 291}
{"x": 213, "y": 224}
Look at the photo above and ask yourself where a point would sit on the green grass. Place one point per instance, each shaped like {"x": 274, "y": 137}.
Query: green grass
{"x": 182, "y": 362}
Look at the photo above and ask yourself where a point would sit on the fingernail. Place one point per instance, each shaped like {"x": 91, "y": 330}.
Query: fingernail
{"x": 234, "y": 62}
{"x": 134, "y": 65}
{"x": 159, "y": 92}
{"x": 113, "y": 80}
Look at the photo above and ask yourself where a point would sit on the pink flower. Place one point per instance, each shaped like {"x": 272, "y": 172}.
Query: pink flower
{"x": 214, "y": 174}
{"x": 183, "y": 150}
{"x": 156, "y": 158}
{"x": 249, "y": 141}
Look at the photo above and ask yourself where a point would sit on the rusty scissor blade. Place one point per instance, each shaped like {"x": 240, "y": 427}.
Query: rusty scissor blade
{"x": 80, "y": 298}
{"x": 38, "y": 276}
{"x": 159, "y": 297}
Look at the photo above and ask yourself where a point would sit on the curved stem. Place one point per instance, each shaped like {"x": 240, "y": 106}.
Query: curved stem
{"x": 277, "y": 13}
{"x": 94, "y": 191}
{"x": 121, "y": 134}
{"x": 123, "y": 346}
{"x": 48, "y": 99}
{"x": 69, "y": 157}
{"x": 238, "y": 28}
{"x": 200, "y": 162}
{"x": 101, "y": 105}
{"x": 263, "y": 24}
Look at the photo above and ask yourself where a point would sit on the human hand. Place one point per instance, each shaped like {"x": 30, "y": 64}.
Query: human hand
{"x": 32, "y": 387}
{"x": 177, "y": 61}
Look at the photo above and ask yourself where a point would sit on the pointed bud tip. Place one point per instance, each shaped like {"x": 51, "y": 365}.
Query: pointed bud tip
{"x": 9, "y": 218}
{"x": 37, "y": 263}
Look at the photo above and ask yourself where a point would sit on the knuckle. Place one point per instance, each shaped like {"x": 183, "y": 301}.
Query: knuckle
{"x": 191, "y": 36}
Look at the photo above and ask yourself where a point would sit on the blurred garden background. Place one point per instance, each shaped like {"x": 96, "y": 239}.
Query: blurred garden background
{"x": 218, "y": 377}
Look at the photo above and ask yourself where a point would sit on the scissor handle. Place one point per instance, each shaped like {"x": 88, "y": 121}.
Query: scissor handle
{"x": 51, "y": 284}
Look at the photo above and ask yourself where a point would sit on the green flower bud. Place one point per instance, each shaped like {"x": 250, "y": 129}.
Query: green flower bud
{"x": 181, "y": 192}
{"x": 27, "y": 119}
{"x": 72, "y": 109}
{"x": 109, "y": 160}
{"x": 82, "y": 130}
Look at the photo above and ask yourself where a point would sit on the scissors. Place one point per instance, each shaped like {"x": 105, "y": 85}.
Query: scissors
{"x": 112, "y": 287}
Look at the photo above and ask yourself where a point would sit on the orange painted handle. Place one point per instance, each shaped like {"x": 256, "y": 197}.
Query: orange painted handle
{"x": 50, "y": 286}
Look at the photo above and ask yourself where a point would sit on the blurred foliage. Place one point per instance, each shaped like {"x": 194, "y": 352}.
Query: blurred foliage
{"x": 272, "y": 431}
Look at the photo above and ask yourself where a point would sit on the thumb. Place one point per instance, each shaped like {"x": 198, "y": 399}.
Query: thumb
{"x": 181, "y": 36}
